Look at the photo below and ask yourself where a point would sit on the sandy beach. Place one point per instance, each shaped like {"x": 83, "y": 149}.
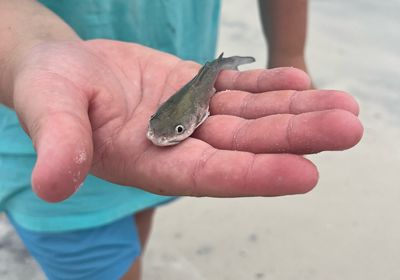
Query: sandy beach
{"x": 348, "y": 227}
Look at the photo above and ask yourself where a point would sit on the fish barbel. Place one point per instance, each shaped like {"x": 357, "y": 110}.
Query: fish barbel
{"x": 178, "y": 117}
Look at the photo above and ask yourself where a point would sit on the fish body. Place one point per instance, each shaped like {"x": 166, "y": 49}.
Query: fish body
{"x": 178, "y": 117}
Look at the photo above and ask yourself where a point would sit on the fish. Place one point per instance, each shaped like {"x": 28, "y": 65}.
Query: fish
{"x": 178, "y": 117}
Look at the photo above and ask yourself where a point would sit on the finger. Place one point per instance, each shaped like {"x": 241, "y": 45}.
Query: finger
{"x": 195, "y": 168}
{"x": 251, "y": 106}
{"x": 54, "y": 113}
{"x": 301, "y": 134}
{"x": 263, "y": 80}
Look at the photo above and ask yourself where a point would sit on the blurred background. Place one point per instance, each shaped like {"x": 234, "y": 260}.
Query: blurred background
{"x": 348, "y": 227}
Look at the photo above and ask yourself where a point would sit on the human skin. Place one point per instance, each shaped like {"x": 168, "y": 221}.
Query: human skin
{"x": 86, "y": 106}
{"x": 284, "y": 23}
{"x": 144, "y": 221}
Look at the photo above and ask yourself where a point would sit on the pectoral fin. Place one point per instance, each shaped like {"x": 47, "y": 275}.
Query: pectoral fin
{"x": 203, "y": 117}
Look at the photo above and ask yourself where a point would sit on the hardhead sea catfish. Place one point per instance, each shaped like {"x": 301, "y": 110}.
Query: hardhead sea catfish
{"x": 178, "y": 117}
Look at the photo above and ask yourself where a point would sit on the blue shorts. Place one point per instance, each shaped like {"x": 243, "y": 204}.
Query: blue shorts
{"x": 106, "y": 252}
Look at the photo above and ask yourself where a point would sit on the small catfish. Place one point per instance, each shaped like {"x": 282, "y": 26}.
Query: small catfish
{"x": 178, "y": 117}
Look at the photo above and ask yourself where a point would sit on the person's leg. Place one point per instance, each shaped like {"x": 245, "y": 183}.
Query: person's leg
{"x": 143, "y": 222}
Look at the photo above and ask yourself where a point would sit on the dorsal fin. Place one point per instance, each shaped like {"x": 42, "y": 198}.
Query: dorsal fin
{"x": 204, "y": 69}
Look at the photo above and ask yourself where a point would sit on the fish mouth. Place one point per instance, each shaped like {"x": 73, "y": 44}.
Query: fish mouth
{"x": 161, "y": 141}
{"x": 174, "y": 142}
{"x": 164, "y": 143}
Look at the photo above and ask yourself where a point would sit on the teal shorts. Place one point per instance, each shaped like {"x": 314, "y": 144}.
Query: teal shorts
{"x": 101, "y": 253}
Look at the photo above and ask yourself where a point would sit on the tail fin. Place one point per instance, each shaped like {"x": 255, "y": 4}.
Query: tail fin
{"x": 233, "y": 62}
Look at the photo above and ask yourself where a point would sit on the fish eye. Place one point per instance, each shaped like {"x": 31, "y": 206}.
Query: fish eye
{"x": 179, "y": 129}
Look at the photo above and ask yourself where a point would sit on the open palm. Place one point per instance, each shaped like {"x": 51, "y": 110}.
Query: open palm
{"x": 86, "y": 106}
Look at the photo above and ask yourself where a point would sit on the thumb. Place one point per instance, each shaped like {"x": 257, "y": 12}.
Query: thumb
{"x": 54, "y": 112}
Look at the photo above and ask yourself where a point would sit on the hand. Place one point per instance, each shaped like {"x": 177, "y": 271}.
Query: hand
{"x": 86, "y": 106}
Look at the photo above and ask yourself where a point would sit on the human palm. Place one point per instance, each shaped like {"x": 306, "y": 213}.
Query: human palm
{"x": 86, "y": 106}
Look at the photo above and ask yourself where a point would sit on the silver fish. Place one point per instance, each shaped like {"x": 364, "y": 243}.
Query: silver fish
{"x": 178, "y": 117}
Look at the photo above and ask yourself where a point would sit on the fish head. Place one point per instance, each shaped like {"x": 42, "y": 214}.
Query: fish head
{"x": 165, "y": 130}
